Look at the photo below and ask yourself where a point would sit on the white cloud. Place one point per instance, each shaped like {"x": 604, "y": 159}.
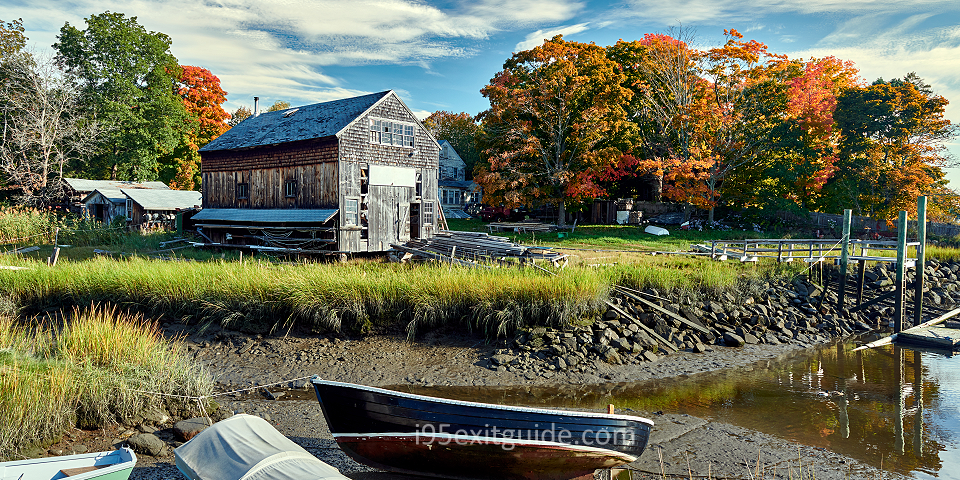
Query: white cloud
{"x": 713, "y": 12}
{"x": 279, "y": 49}
{"x": 536, "y": 38}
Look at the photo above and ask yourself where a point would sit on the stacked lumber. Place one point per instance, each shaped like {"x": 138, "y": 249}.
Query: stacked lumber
{"x": 521, "y": 227}
{"x": 474, "y": 247}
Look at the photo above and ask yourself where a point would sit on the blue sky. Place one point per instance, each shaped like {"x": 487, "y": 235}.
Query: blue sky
{"x": 438, "y": 54}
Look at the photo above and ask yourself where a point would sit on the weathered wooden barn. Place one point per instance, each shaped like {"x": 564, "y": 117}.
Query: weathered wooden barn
{"x": 351, "y": 175}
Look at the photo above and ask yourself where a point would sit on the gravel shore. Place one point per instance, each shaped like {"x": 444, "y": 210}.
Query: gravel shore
{"x": 240, "y": 361}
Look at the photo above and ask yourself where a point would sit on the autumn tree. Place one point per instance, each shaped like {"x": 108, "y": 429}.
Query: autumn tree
{"x": 126, "y": 78}
{"x": 662, "y": 72}
{"x": 278, "y": 105}
{"x": 799, "y": 154}
{"x": 554, "y": 112}
{"x": 203, "y": 98}
{"x": 44, "y": 128}
{"x": 461, "y": 130}
{"x": 238, "y": 116}
{"x": 12, "y": 39}
{"x": 893, "y": 147}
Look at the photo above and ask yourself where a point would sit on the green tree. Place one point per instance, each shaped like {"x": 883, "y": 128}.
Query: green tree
{"x": 892, "y": 149}
{"x": 555, "y": 111}
{"x": 461, "y": 130}
{"x": 127, "y": 80}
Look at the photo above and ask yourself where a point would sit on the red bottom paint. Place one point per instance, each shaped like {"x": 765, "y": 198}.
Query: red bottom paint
{"x": 479, "y": 458}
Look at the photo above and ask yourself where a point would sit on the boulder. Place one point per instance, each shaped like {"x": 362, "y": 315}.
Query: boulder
{"x": 731, "y": 339}
{"x": 650, "y": 356}
{"x": 189, "y": 428}
{"x": 147, "y": 444}
{"x": 502, "y": 359}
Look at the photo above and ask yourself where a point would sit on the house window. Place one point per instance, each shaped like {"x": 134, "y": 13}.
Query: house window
{"x": 388, "y": 132}
{"x": 129, "y": 209}
{"x": 351, "y": 211}
{"x": 290, "y": 188}
{"x": 428, "y": 213}
{"x": 241, "y": 191}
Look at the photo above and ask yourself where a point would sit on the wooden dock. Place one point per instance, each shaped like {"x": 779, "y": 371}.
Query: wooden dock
{"x": 933, "y": 337}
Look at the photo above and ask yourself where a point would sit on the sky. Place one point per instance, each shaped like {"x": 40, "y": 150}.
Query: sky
{"x": 437, "y": 55}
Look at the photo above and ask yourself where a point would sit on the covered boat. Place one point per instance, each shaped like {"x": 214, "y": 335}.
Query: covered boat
{"x": 111, "y": 465}
{"x": 247, "y": 447}
{"x": 418, "y": 434}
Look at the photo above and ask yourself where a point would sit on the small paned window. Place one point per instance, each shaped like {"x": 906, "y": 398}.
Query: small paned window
{"x": 290, "y": 188}
{"x": 375, "y": 126}
{"x": 351, "y": 211}
{"x": 428, "y": 213}
{"x": 241, "y": 191}
{"x": 386, "y": 132}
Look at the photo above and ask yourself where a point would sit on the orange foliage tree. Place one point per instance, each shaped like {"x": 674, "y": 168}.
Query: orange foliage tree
{"x": 203, "y": 98}
{"x": 555, "y": 111}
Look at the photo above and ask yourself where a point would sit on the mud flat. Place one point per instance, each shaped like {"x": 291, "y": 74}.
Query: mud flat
{"x": 687, "y": 443}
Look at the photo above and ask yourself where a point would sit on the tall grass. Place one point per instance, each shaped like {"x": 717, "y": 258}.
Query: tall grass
{"x": 87, "y": 372}
{"x": 19, "y": 224}
{"x": 358, "y": 297}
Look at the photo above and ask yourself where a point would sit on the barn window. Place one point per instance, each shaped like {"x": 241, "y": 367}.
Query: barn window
{"x": 388, "y": 132}
{"x": 428, "y": 213}
{"x": 241, "y": 191}
{"x": 290, "y": 188}
{"x": 351, "y": 211}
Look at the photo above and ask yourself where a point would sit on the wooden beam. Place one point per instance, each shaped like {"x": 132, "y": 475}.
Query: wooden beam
{"x": 655, "y": 335}
{"x": 891, "y": 338}
{"x": 874, "y": 301}
{"x": 662, "y": 310}
{"x": 844, "y": 256}
{"x": 901, "y": 272}
{"x": 921, "y": 253}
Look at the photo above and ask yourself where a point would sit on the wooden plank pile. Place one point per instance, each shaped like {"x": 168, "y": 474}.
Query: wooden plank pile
{"x": 474, "y": 248}
{"x": 521, "y": 227}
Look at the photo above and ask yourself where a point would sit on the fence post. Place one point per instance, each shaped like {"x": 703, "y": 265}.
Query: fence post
{"x": 921, "y": 254}
{"x": 901, "y": 270}
{"x": 844, "y": 256}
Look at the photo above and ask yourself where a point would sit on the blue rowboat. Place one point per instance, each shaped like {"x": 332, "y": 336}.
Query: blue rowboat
{"x": 419, "y": 434}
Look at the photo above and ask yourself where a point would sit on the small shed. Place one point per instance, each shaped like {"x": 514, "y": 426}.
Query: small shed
{"x": 104, "y": 204}
{"x": 350, "y": 175}
{"x": 158, "y": 207}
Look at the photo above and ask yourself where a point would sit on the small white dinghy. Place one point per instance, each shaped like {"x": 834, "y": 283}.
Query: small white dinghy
{"x": 115, "y": 465}
{"x": 247, "y": 447}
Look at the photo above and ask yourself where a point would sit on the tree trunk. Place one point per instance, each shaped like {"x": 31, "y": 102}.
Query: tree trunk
{"x": 562, "y": 214}
{"x": 710, "y": 215}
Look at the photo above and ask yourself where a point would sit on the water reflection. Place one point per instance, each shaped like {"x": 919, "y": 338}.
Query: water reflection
{"x": 894, "y": 404}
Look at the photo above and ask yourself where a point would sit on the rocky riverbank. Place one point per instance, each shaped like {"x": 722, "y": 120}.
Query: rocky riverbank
{"x": 641, "y": 336}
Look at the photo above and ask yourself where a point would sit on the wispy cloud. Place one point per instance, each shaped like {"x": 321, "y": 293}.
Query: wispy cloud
{"x": 719, "y": 12}
{"x": 537, "y": 38}
{"x": 284, "y": 46}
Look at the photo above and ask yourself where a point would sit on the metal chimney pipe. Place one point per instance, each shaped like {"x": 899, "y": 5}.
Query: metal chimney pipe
{"x": 256, "y": 106}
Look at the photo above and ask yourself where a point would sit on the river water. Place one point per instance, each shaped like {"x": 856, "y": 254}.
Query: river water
{"x": 891, "y": 407}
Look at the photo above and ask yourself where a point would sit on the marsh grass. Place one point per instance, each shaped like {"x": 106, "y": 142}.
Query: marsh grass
{"x": 88, "y": 371}
{"x": 362, "y": 296}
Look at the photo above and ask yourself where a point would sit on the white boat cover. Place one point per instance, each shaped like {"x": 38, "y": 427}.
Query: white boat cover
{"x": 247, "y": 447}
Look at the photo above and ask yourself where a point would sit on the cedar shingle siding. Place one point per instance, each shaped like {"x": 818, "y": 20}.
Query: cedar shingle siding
{"x": 319, "y": 157}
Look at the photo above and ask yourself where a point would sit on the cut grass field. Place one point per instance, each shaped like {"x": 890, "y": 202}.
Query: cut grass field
{"x": 85, "y": 372}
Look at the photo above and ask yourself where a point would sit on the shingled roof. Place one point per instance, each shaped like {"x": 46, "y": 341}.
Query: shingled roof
{"x": 301, "y": 123}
